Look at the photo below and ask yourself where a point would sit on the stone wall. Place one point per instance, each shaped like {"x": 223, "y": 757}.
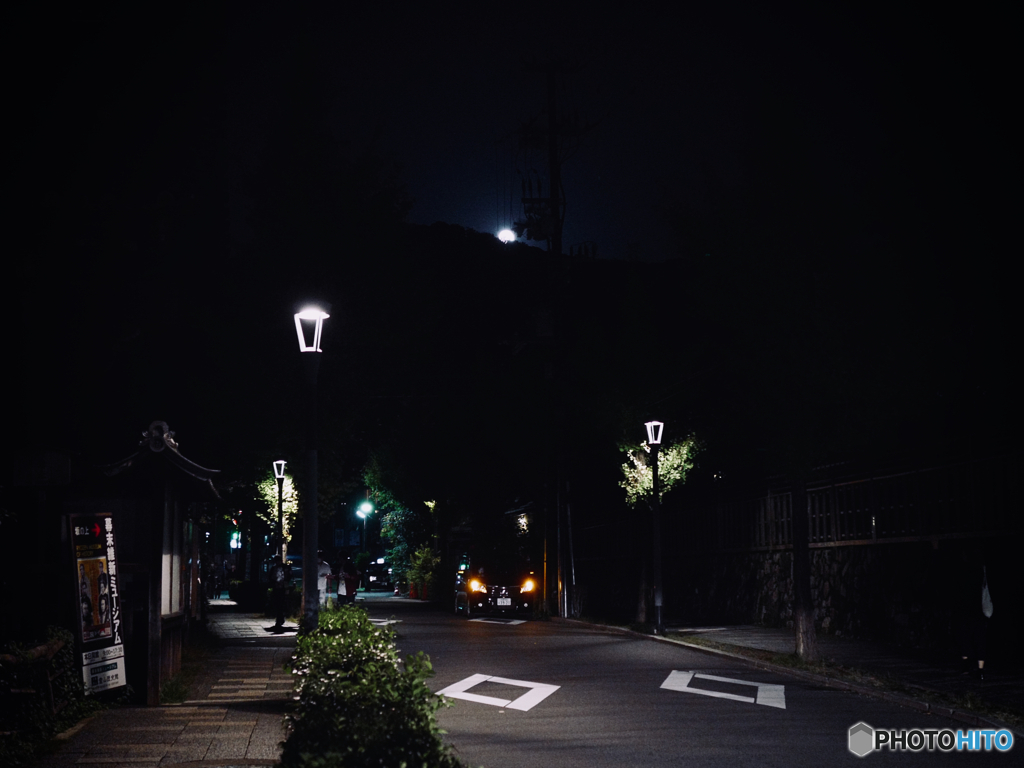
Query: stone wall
{"x": 896, "y": 592}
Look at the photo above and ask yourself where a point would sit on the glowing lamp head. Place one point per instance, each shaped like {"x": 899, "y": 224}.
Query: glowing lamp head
{"x": 528, "y": 586}
{"x": 279, "y": 469}
{"x": 309, "y": 325}
{"x": 654, "y": 429}
{"x": 507, "y": 236}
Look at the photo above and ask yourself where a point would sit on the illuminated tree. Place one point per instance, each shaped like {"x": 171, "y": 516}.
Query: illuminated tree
{"x": 674, "y": 463}
{"x": 266, "y": 492}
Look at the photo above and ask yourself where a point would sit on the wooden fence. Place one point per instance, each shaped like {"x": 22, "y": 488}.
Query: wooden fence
{"x": 965, "y": 499}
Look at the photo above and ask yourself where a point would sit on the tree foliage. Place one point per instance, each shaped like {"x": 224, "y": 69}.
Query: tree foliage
{"x": 266, "y": 493}
{"x": 405, "y": 528}
{"x": 674, "y": 462}
{"x": 422, "y": 566}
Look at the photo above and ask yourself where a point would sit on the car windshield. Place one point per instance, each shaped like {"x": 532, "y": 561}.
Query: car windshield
{"x": 500, "y": 571}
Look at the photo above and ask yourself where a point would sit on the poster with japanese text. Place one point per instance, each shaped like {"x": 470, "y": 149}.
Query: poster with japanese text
{"x": 99, "y": 603}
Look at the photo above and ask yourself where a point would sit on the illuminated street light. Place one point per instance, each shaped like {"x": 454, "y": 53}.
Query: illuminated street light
{"x": 309, "y": 323}
{"x": 364, "y": 511}
{"x": 279, "y": 474}
{"x": 310, "y": 319}
{"x": 654, "y": 429}
{"x": 507, "y": 236}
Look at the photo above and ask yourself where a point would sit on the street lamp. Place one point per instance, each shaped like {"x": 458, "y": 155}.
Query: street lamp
{"x": 279, "y": 474}
{"x": 654, "y": 429}
{"x": 309, "y": 323}
{"x": 364, "y": 511}
{"x": 310, "y": 319}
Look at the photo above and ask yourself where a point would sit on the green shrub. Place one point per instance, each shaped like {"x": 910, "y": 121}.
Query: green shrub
{"x": 27, "y": 720}
{"x": 423, "y": 564}
{"x": 356, "y": 704}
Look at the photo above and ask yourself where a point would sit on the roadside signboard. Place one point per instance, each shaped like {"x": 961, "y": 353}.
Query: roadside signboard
{"x": 99, "y": 615}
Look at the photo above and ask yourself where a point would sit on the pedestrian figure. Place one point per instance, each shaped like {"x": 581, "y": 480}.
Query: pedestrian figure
{"x": 323, "y": 571}
{"x": 208, "y": 578}
{"x": 974, "y": 608}
{"x": 225, "y": 578}
{"x": 279, "y": 578}
{"x": 348, "y": 582}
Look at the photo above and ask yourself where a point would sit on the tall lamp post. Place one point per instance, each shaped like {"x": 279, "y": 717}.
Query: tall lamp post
{"x": 279, "y": 475}
{"x": 309, "y": 323}
{"x": 364, "y": 511}
{"x": 654, "y": 429}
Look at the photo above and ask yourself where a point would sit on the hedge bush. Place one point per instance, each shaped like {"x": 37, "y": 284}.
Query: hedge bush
{"x": 356, "y": 705}
{"x": 27, "y": 720}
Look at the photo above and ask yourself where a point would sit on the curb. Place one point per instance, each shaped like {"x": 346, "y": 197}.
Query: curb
{"x": 902, "y": 700}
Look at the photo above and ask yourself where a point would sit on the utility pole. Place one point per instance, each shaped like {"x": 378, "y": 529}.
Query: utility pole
{"x": 543, "y": 220}
{"x": 554, "y": 166}
{"x": 803, "y": 603}
{"x": 544, "y": 215}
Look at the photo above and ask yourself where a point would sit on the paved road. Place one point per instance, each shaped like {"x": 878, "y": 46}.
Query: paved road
{"x": 558, "y": 694}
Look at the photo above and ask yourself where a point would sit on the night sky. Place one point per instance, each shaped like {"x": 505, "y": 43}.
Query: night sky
{"x": 679, "y": 105}
{"x": 682, "y": 105}
{"x": 874, "y": 138}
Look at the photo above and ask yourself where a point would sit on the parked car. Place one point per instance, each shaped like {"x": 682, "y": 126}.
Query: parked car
{"x": 495, "y": 588}
{"x": 378, "y": 576}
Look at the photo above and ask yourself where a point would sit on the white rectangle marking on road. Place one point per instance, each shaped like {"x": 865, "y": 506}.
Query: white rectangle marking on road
{"x": 767, "y": 695}
{"x": 481, "y": 699}
{"x": 678, "y": 680}
{"x": 537, "y": 693}
{"x": 464, "y": 685}
{"x": 772, "y": 695}
{"x": 511, "y": 622}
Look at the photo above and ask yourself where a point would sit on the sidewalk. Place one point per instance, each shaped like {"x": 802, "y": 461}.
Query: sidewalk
{"x": 235, "y": 716}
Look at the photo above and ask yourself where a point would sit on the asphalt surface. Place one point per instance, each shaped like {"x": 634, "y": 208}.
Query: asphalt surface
{"x": 558, "y": 693}
{"x": 613, "y": 698}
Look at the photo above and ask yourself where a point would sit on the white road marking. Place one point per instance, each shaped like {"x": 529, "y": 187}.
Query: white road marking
{"x": 537, "y": 693}
{"x": 500, "y": 621}
{"x": 767, "y": 695}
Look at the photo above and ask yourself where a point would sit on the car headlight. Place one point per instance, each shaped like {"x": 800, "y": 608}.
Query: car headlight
{"x": 528, "y": 586}
{"x": 476, "y": 586}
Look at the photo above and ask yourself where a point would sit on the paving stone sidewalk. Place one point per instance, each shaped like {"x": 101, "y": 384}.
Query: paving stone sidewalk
{"x": 234, "y": 718}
